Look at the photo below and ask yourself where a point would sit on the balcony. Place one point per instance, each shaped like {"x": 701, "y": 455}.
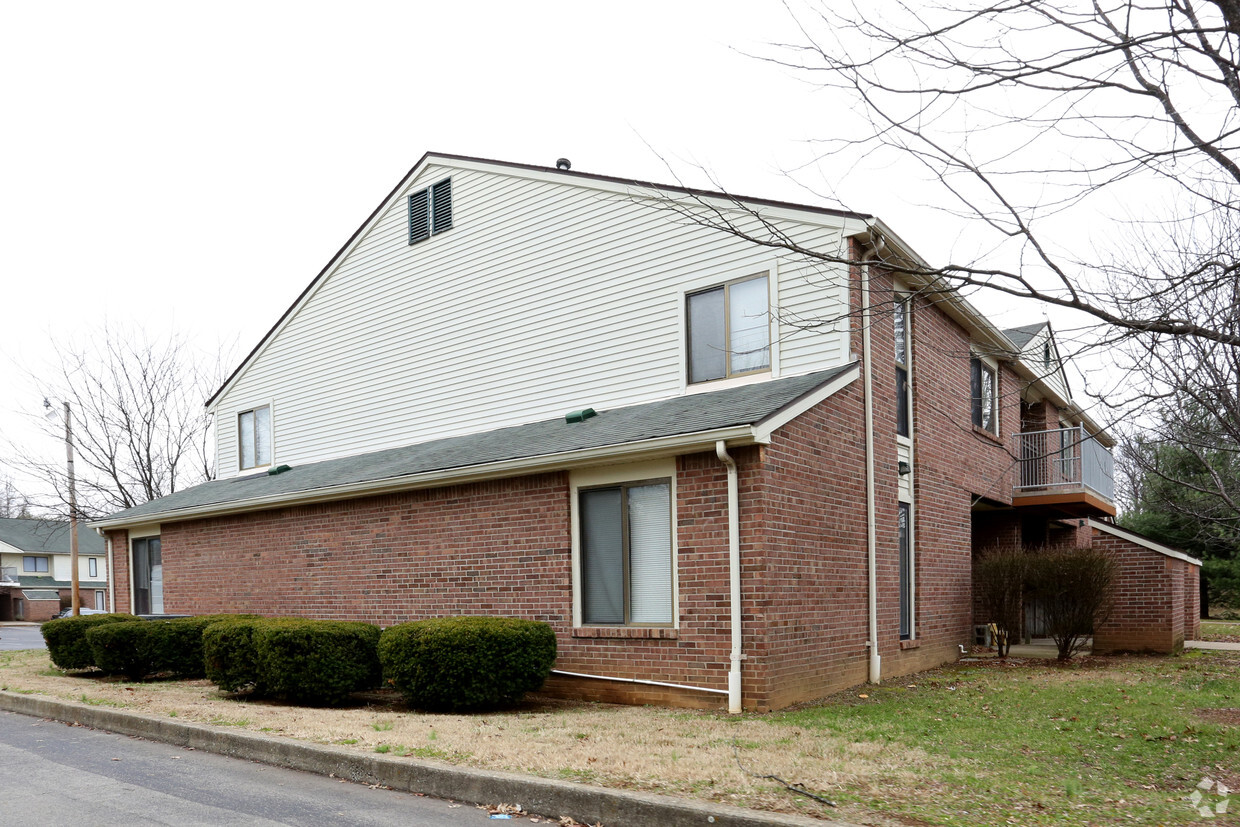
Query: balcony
{"x": 1065, "y": 470}
{"x": 8, "y": 576}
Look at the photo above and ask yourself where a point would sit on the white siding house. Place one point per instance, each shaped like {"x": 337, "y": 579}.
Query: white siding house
{"x": 398, "y": 343}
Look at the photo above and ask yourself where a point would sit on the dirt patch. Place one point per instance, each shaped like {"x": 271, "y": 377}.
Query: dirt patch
{"x": 1226, "y": 717}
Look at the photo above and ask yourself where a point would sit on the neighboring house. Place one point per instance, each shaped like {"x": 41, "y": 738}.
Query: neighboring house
{"x": 723, "y": 472}
{"x": 36, "y": 575}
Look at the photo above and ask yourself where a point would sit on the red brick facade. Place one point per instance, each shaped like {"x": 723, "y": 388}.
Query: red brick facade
{"x": 504, "y": 547}
{"x": 1156, "y": 605}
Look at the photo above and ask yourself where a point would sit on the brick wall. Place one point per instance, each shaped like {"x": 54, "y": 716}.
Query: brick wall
{"x": 1151, "y": 604}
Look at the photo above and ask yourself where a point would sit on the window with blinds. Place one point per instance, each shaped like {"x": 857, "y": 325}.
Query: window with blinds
{"x": 729, "y": 330}
{"x": 626, "y": 554}
{"x": 430, "y": 211}
{"x": 254, "y": 437}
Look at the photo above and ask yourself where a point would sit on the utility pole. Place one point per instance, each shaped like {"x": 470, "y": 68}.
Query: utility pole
{"x": 73, "y": 536}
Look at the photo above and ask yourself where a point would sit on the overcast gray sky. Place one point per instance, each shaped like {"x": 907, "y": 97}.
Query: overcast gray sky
{"x": 190, "y": 168}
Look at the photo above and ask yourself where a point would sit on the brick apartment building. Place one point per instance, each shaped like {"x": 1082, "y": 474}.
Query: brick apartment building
{"x": 725, "y": 473}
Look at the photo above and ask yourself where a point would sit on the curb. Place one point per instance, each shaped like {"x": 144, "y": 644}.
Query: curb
{"x": 613, "y": 808}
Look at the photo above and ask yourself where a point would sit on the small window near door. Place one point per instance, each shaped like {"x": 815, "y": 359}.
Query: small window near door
{"x": 254, "y": 437}
{"x": 101, "y": 600}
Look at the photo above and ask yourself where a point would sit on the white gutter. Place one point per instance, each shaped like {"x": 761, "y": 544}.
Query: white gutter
{"x": 630, "y": 451}
{"x": 871, "y": 526}
{"x": 734, "y": 576}
{"x": 111, "y": 578}
{"x": 638, "y": 680}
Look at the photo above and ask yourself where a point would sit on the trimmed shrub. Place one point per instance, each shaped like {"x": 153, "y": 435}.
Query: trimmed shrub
{"x": 454, "y": 664}
{"x": 124, "y": 648}
{"x": 999, "y": 575}
{"x": 66, "y": 638}
{"x": 316, "y": 662}
{"x": 1073, "y": 587}
{"x": 155, "y": 647}
{"x": 228, "y": 655}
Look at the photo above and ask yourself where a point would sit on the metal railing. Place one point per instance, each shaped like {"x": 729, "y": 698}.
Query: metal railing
{"x": 8, "y": 574}
{"x": 1065, "y": 458}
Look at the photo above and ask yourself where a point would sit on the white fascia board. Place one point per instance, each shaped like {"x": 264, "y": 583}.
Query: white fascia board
{"x": 763, "y": 430}
{"x": 5, "y": 548}
{"x": 626, "y": 452}
{"x": 1137, "y": 539}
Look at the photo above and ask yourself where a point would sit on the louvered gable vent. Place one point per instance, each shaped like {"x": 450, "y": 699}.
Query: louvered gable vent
{"x": 430, "y": 211}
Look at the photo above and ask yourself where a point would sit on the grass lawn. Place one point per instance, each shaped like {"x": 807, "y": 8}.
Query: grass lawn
{"x": 1100, "y": 741}
{"x": 1221, "y": 631}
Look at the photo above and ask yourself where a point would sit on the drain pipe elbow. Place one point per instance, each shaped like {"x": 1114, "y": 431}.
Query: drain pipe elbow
{"x": 734, "y": 576}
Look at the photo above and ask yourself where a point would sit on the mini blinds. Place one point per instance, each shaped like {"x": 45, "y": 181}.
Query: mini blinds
{"x": 729, "y": 330}
{"x": 430, "y": 211}
{"x": 906, "y": 571}
{"x": 626, "y": 554}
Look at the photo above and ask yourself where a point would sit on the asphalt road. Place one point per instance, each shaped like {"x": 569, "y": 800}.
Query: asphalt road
{"x": 59, "y": 774}
{"x": 21, "y": 637}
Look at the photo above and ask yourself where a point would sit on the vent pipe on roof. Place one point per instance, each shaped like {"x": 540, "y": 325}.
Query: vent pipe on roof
{"x": 563, "y": 163}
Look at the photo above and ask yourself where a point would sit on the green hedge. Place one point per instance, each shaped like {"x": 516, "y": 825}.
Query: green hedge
{"x": 228, "y": 655}
{"x": 315, "y": 661}
{"x": 154, "y": 647}
{"x": 66, "y": 638}
{"x": 467, "y": 663}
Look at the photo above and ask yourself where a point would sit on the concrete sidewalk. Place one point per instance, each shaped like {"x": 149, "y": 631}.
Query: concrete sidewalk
{"x": 1208, "y": 644}
{"x": 588, "y": 804}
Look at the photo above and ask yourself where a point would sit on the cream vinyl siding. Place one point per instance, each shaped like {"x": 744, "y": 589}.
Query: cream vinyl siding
{"x": 544, "y": 297}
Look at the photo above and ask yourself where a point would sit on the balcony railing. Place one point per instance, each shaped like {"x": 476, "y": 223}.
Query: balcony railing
{"x": 1065, "y": 458}
{"x": 8, "y": 575}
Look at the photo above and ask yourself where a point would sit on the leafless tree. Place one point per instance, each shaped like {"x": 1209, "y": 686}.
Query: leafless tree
{"x": 1036, "y": 118}
{"x": 12, "y": 503}
{"x": 139, "y": 427}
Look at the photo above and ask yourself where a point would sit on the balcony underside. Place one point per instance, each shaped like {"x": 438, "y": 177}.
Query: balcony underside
{"x": 1074, "y": 502}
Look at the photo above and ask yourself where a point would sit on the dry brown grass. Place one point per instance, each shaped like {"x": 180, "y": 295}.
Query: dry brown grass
{"x": 658, "y": 750}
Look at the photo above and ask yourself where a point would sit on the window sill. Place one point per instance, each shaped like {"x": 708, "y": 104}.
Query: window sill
{"x": 982, "y": 432}
{"x": 631, "y": 632}
{"x": 910, "y": 644}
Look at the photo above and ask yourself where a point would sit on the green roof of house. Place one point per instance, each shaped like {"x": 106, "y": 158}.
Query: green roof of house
{"x": 1020, "y": 336}
{"x": 49, "y": 536}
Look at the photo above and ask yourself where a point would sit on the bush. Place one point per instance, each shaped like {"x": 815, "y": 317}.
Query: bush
{"x": 1073, "y": 588}
{"x": 66, "y": 638}
{"x": 315, "y": 661}
{"x": 999, "y": 574}
{"x": 228, "y": 655}
{"x": 467, "y": 663}
{"x": 154, "y": 647}
{"x": 123, "y": 648}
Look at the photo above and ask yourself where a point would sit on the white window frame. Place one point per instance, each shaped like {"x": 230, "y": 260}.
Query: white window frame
{"x": 912, "y": 569}
{"x": 903, "y": 299}
{"x": 587, "y": 478}
{"x": 271, "y": 436}
{"x": 991, "y": 367}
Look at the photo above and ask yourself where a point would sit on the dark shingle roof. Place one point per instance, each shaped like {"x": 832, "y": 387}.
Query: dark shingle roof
{"x": 48, "y": 536}
{"x": 1020, "y": 336}
{"x": 744, "y": 405}
{"x": 29, "y": 582}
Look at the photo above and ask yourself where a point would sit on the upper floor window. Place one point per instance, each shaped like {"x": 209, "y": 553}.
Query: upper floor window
{"x": 92, "y": 567}
{"x": 34, "y": 564}
{"x": 985, "y": 394}
{"x": 430, "y": 211}
{"x": 254, "y": 437}
{"x": 626, "y": 553}
{"x": 904, "y": 400}
{"x": 729, "y": 330}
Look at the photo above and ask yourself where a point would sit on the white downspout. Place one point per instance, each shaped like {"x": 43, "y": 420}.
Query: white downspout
{"x": 734, "y": 576}
{"x": 876, "y": 661}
